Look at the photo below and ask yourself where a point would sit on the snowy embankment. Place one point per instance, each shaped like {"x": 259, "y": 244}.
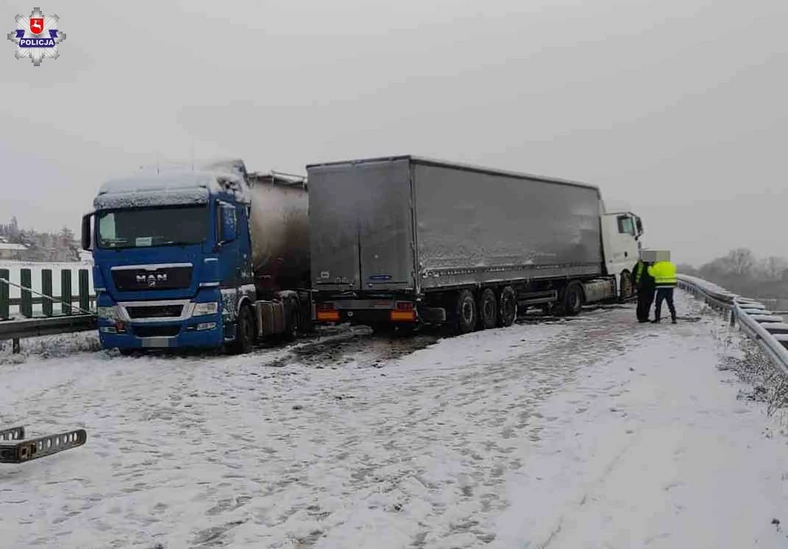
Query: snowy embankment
{"x": 596, "y": 432}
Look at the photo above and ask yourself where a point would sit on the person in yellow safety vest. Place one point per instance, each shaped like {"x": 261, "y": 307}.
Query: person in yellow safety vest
{"x": 644, "y": 284}
{"x": 664, "y": 273}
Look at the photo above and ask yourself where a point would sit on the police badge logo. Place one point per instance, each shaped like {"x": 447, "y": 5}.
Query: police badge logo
{"x": 37, "y": 36}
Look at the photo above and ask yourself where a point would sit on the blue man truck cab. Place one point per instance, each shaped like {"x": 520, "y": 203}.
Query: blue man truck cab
{"x": 213, "y": 257}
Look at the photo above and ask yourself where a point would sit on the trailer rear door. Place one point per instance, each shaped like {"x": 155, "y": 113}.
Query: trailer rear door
{"x": 361, "y": 225}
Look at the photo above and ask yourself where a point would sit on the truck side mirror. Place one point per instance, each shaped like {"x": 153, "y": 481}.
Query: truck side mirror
{"x": 639, "y": 225}
{"x": 87, "y": 240}
{"x": 227, "y": 225}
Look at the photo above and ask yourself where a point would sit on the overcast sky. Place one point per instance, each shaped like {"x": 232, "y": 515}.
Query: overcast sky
{"x": 675, "y": 107}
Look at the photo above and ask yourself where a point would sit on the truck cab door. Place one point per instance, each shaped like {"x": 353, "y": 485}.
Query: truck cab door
{"x": 227, "y": 244}
{"x": 620, "y": 234}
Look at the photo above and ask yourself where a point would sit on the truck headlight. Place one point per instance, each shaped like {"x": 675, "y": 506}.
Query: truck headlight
{"x": 107, "y": 313}
{"x": 202, "y": 309}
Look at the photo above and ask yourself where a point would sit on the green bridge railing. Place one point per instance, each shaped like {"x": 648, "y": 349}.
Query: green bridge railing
{"x": 51, "y": 304}
{"x": 71, "y": 311}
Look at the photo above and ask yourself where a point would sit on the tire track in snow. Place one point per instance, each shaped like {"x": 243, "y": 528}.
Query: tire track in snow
{"x": 356, "y": 436}
{"x": 431, "y": 433}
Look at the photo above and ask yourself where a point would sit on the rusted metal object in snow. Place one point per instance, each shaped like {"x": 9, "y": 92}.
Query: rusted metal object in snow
{"x": 15, "y": 449}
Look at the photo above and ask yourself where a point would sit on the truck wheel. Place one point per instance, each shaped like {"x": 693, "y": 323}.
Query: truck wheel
{"x": 507, "y": 307}
{"x": 627, "y": 288}
{"x": 488, "y": 310}
{"x": 293, "y": 321}
{"x": 244, "y": 332}
{"x": 572, "y": 303}
{"x": 466, "y": 312}
{"x": 307, "y": 324}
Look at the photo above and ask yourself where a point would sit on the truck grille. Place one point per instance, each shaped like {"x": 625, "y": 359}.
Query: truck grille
{"x": 165, "y": 278}
{"x": 157, "y": 331}
{"x": 155, "y": 311}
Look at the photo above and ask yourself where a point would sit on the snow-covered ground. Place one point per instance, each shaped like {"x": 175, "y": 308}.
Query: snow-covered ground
{"x": 594, "y": 432}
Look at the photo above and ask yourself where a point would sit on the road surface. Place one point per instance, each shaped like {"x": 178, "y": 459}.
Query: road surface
{"x": 592, "y": 432}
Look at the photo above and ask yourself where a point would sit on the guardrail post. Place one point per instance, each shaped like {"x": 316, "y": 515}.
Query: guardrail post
{"x": 15, "y": 348}
{"x": 46, "y": 289}
{"x": 65, "y": 291}
{"x": 733, "y": 316}
{"x": 5, "y": 295}
{"x": 26, "y": 281}
{"x": 84, "y": 290}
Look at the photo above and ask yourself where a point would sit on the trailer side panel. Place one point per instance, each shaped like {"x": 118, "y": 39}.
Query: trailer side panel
{"x": 481, "y": 227}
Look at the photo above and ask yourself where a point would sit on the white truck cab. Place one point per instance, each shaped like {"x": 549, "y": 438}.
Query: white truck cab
{"x": 621, "y": 232}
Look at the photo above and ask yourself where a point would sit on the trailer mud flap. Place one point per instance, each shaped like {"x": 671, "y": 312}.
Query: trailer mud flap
{"x": 432, "y": 315}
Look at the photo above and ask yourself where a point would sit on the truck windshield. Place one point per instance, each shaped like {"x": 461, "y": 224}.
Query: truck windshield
{"x": 148, "y": 227}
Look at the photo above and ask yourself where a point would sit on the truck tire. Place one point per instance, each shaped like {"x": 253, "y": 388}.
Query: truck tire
{"x": 244, "y": 332}
{"x": 572, "y": 301}
{"x": 293, "y": 321}
{"x": 488, "y": 310}
{"x": 507, "y": 307}
{"x": 627, "y": 287}
{"x": 307, "y": 324}
{"x": 465, "y": 312}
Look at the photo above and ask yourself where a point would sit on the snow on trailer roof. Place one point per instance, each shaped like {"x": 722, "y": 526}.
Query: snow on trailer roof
{"x": 460, "y": 166}
{"x": 278, "y": 178}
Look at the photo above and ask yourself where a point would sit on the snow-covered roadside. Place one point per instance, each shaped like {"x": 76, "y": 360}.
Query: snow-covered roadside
{"x": 654, "y": 449}
{"x": 245, "y": 452}
{"x": 531, "y": 436}
{"x": 40, "y": 348}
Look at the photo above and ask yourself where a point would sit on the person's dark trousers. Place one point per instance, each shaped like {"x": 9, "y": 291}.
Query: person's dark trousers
{"x": 645, "y": 299}
{"x": 665, "y": 294}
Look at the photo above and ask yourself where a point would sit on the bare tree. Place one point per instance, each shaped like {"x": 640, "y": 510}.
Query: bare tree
{"x": 740, "y": 261}
{"x": 13, "y": 230}
{"x": 715, "y": 269}
{"x": 773, "y": 267}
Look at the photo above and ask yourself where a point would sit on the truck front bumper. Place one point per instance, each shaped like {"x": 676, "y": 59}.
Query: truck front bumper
{"x": 165, "y": 324}
{"x": 205, "y": 332}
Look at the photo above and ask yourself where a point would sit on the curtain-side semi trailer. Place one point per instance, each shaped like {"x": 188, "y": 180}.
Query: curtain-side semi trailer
{"x": 407, "y": 240}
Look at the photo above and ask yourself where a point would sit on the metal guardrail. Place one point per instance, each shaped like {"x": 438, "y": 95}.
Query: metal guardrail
{"x": 35, "y": 327}
{"x": 49, "y": 321}
{"x": 764, "y": 327}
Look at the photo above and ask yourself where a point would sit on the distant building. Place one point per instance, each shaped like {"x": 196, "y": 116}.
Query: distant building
{"x": 12, "y": 251}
